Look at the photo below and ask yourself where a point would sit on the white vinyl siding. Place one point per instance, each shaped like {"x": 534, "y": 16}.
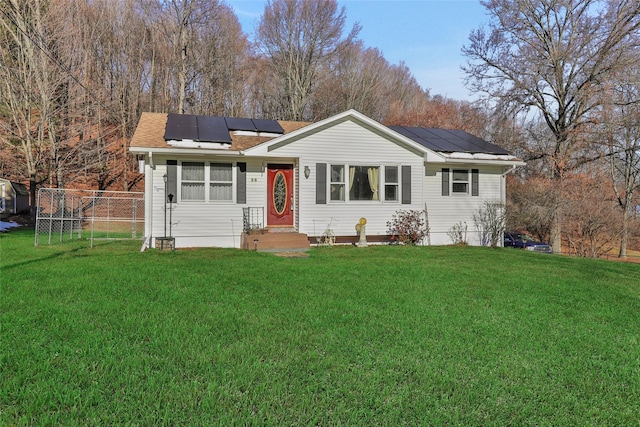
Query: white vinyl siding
{"x": 206, "y": 223}
{"x": 349, "y": 144}
{"x": 445, "y": 211}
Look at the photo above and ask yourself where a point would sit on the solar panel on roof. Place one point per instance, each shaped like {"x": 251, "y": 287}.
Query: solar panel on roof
{"x": 449, "y": 140}
{"x": 486, "y": 146}
{"x": 213, "y": 129}
{"x": 426, "y": 138}
{"x": 234, "y": 123}
{"x": 458, "y": 141}
{"x": 271, "y": 126}
{"x": 181, "y": 126}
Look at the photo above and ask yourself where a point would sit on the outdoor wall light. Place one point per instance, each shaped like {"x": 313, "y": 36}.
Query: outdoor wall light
{"x": 307, "y": 172}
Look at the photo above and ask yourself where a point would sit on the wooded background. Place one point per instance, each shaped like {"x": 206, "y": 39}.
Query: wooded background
{"x": 558, "y": 84}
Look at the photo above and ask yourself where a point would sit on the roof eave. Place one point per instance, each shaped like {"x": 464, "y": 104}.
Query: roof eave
{"x": 496, "y": 162}
{"x": 187, "y": 151}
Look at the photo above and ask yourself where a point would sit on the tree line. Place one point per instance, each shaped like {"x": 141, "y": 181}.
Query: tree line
{"x": 558, "y": 81}
{"x": 76, "y": 75}
{"x": 564, "y": 73}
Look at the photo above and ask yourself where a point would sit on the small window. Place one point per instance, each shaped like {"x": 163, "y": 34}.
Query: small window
{"x": 363, "y": 183}
{"x": 337, "y": 183}
{"x": 391, "y": 183}
{"x": 460, "y": 183}
{"x": 192, "y": 181}
{"x": 221, "y": 182}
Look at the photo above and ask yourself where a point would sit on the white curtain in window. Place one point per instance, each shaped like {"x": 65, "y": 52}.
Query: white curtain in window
{"x": 221, "y": 172}
{"x": 192, "y": 191}
{"x": 373, "y": 174}
{"x": 193, "y": 171}
{"x": 221, "y": 192}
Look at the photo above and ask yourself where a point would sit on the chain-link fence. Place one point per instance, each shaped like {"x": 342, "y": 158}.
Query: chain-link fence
{"x": 65, "y": 214}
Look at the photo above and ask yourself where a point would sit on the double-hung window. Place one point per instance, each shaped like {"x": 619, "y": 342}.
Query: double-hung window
{"x": 221, "y": 182}
{"x": 204, "y": 181}
{"x": 460, "y": 182}
{"x": 391, "y": 183}
{"x": 193, "y": 182}
{"x": 337, "y": 183}
{"x": 363, "y": 183}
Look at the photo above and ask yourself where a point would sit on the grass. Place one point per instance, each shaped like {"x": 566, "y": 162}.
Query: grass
{"x": 377, "y": 336}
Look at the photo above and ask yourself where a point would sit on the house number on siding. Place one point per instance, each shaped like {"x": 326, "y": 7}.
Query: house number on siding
{"x": 279, "y": 193}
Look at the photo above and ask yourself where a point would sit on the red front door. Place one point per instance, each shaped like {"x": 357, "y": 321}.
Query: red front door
{"x": 280, "y": 195}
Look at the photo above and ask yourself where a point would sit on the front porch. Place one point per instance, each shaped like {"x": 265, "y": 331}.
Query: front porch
{"x": 274, "y": 240}
{"x": 257, "y": 237}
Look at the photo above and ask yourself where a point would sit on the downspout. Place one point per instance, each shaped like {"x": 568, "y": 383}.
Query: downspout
{"x": 503, "y": 184}
{"x": 503, "y": 193}
{"x": 152, "y": 168}
{"x": 513, "y": 167}
{"x": 148, "y": 202}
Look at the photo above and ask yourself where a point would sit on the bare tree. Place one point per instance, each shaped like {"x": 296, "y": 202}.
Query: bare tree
{"x": 591, "y": 222}
{"x": 439, "y": 112}
{"x": 362, "y": 79}
{"x": 298, "y": 37}
{"x": 31, "y": 88}
{"x": 624, "y": 150}
{"x": 530, "y": 205}
{"x": 551, "y": 57}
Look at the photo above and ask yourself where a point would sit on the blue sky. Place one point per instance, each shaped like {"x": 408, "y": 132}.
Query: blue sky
{"x": 426, "y": 34}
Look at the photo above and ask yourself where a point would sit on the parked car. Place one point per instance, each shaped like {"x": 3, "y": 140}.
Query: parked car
{"x": 524, "y": 241}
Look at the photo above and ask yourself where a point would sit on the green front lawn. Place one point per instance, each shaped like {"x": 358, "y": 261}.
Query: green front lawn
{"x": 348, "y": 336}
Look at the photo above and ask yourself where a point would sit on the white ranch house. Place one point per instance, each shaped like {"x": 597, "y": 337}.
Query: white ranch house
{"x": 226, "y": 176}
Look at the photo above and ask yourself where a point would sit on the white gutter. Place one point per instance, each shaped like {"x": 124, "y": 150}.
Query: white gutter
{"x": 512, "y": 168}
{"x": 188, "y": 151}
{"x": 512, "y": 163}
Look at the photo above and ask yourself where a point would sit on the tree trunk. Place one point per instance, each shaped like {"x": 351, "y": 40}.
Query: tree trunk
{"x": 32, "y": 196}
{"x": 624, "y": 238}
{"x": 556, "y": 233}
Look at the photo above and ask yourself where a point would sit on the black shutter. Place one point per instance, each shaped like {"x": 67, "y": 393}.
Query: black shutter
{"x": 172, "y": 181}
{"x": 474, "y": 182}
{"x": 406, "y": 185}
{"x": 321, "y": 183}
{"x": 241, "y": 187}
{"x": 445, "y": 181}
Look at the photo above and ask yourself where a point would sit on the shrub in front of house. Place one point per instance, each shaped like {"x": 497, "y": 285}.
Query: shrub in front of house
{"x": 407, "y": 227}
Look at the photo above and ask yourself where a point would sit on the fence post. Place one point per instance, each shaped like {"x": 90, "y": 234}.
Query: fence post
{"x": 50, "y": 217}
{"x": 93, "y": 215}
{"x": 35, "y": 243}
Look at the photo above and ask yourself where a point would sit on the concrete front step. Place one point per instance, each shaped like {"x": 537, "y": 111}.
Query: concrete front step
{"x": 273, "y": 242}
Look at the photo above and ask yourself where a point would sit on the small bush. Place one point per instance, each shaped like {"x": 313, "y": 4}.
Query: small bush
{"x": 489, "y": 220}
{"x": 458, "y": 233}
{"x": 407, "y": 227}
